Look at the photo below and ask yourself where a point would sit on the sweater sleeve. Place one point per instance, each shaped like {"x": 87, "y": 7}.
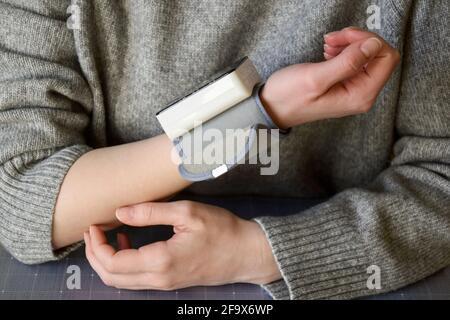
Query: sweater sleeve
{"x": 45, "y": 107}
{"x": 401, "y": 221}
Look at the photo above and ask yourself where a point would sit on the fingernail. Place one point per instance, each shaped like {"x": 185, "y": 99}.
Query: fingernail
{"x": 330, "y": 34}
{"x": 86, "y": 234}
{"x": 371, "y": 47}
{"x": 325, "y": 46}
{"x": 352, "y": 28}
{"x": 124, "y": 213}
{"x": 327, "y": 56}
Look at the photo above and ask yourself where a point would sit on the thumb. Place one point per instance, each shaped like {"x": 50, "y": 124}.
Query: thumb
{"x": 349, "y": 62}
{"x": 149, "y": 214}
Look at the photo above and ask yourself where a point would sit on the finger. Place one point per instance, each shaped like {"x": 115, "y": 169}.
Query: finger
{"x": 95, "y": 264}
{"x": 128, "y": 281}
{"x": 327, "y": 56}
{"x": 376, "y": 73}
{"x": 123, "y": 241}
{"x": 99, "y": 241}
{"x": 346, "y": 65}
{"x": 124, "y": 261}
{"x": 380, "y": 69}
{"x": 333, "y": 51}
{"x": 359, "y": 93}
{"x": 150, "y": 213}
{"x": 98, "y": 268}
{"x": 338, "y": 102}
{"x": 347, "y": 36}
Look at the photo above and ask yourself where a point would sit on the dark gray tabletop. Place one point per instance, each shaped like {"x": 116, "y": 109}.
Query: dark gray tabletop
{"x": 49, "y": 281}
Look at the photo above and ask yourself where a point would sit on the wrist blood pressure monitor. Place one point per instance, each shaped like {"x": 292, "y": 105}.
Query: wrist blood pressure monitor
{"x": 215, "y": 126}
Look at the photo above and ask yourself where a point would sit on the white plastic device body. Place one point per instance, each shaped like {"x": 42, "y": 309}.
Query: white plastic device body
{"x": 205, "y": 103}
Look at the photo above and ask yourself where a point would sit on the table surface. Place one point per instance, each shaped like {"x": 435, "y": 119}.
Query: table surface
{"x": 49, "y": 280}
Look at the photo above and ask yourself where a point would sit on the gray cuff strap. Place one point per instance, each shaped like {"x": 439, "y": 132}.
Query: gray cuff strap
{"x": 268, "y": 119}
{"x": 223, "y": 142}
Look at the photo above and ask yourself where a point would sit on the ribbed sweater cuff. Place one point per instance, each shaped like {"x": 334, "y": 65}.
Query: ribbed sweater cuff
{"x": 29, "y": 187}
{"x": 319, "y": 253}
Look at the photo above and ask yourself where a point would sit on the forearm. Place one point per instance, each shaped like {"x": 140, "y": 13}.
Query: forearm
{"x": 105, "y": 179}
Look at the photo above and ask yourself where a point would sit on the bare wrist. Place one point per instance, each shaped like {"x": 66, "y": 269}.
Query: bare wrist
{"x": 259, "y": 264}
{"x": 270, "y": 107}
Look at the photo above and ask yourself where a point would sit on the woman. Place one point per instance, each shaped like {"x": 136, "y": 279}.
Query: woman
{"x": 80, "y": 140}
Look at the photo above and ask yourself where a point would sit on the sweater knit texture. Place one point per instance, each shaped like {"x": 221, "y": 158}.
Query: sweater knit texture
{"x": 65, "y": 91}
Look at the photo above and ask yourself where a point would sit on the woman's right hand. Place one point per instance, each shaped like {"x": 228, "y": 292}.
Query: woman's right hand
{"x": 358, "y": 65}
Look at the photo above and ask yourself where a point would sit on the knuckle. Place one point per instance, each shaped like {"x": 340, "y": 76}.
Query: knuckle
{"x": 201, "y": 223}
{"x": 145, "y": 211}
{"x": 165, "y": 263}
{"x": 164, "y": 260}
{"x": 356, "y": 28}
{"x": 110, "y": 265}
{"x": 150, "y": 280}
{"x": 363, "y": 101}
{"x": 164, "y": 283}
{"x": 188, "y": 210}
{"x": 396, "y": 56}
{"x": 354, "y": 109}
{"x": 349, "y": 30}
{"x": 119, "y": 286}
{"x": 312, "y": 84}
{"x": 107, "y": 280}
{"x": 352, "y": 28}
{"x": 364, "y": 107}
{"x": 393, "y": 54}
{"x": 186, "y": 205}
{"x": 351, "y": 63}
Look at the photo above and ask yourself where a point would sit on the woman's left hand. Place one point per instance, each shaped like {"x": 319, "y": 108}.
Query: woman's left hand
{"x": 211, "y": 246}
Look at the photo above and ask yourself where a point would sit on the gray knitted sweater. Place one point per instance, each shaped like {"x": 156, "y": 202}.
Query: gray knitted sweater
{"x": 64, "y": 91}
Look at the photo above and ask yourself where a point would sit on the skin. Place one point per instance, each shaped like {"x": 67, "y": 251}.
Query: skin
{"x": 357, "y": 66}
{"x": 118, "y": 176}
{"x": 168, "y": 265}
